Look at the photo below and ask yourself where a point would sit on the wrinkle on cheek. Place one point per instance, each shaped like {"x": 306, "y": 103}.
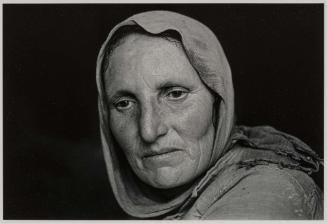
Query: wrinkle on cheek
{"x": 194, "y": 153}
{"x": 195, "y": 124}
{"x": 181, "y": 122}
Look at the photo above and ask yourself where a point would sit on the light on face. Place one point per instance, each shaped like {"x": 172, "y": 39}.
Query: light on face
{"x": 160, "y": 111}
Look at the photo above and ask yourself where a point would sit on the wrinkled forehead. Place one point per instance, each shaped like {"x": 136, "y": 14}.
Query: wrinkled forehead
{"x": 155, "y": 60}
{"x": 139, "y": 45}
{"x": 141, "y": 41}
{"x": 133, "y": 34}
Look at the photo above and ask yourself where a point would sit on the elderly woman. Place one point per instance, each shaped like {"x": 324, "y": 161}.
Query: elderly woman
{"x": 167, "y": 125}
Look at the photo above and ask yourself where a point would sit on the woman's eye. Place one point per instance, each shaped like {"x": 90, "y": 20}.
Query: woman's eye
{"x": 123, "y": 104}
{"x": 177, "y": 94}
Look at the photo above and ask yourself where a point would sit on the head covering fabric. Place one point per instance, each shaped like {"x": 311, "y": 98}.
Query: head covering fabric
{"x": 207, "y": 57}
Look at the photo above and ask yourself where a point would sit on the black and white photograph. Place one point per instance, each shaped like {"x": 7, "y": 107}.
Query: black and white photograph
{"x": 163, "y": 111}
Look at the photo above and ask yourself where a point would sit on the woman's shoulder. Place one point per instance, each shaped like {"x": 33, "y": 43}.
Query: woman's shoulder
{"x": 262, "y": 192}
{"x": 263, "y": 175}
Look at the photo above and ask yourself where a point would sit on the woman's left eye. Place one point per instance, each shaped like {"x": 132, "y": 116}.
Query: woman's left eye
{"x": 177, "y": 93}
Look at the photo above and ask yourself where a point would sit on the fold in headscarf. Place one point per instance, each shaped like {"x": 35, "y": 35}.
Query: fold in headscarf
{"x": 207, "y": 57}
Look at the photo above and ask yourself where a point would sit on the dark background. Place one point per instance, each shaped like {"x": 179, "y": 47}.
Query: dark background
{"x": 53, "y": 165}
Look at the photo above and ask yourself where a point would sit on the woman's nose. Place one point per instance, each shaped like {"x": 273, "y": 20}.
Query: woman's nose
{"x": 152, "y": 123}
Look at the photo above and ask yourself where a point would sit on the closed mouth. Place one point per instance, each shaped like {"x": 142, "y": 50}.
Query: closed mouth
{"x": 161, "y": 151}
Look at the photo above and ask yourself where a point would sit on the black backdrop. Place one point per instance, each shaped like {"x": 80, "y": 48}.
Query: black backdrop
{"x": 53, "y": 166}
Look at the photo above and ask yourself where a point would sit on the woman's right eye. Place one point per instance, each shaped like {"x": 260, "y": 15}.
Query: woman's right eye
{"x": 123, "y": 104}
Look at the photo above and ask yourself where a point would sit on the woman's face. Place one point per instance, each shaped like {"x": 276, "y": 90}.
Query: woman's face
{"x": 161, "y": 114}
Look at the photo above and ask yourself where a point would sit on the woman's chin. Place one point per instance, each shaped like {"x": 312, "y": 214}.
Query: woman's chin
{"x": 167, "y": 178}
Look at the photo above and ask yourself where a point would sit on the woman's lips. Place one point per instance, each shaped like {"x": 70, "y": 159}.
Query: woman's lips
{"x": 161, "y": 151}
{"x": 163, "y": 157}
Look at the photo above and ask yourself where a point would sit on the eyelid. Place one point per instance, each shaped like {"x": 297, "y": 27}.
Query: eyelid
{"x": 116, "y": 96}
{"x": 114, "y": 102}
{"x": 175, "y": 88}
{"x": 183, "y": 96}
{"x": 122, "y": 98}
